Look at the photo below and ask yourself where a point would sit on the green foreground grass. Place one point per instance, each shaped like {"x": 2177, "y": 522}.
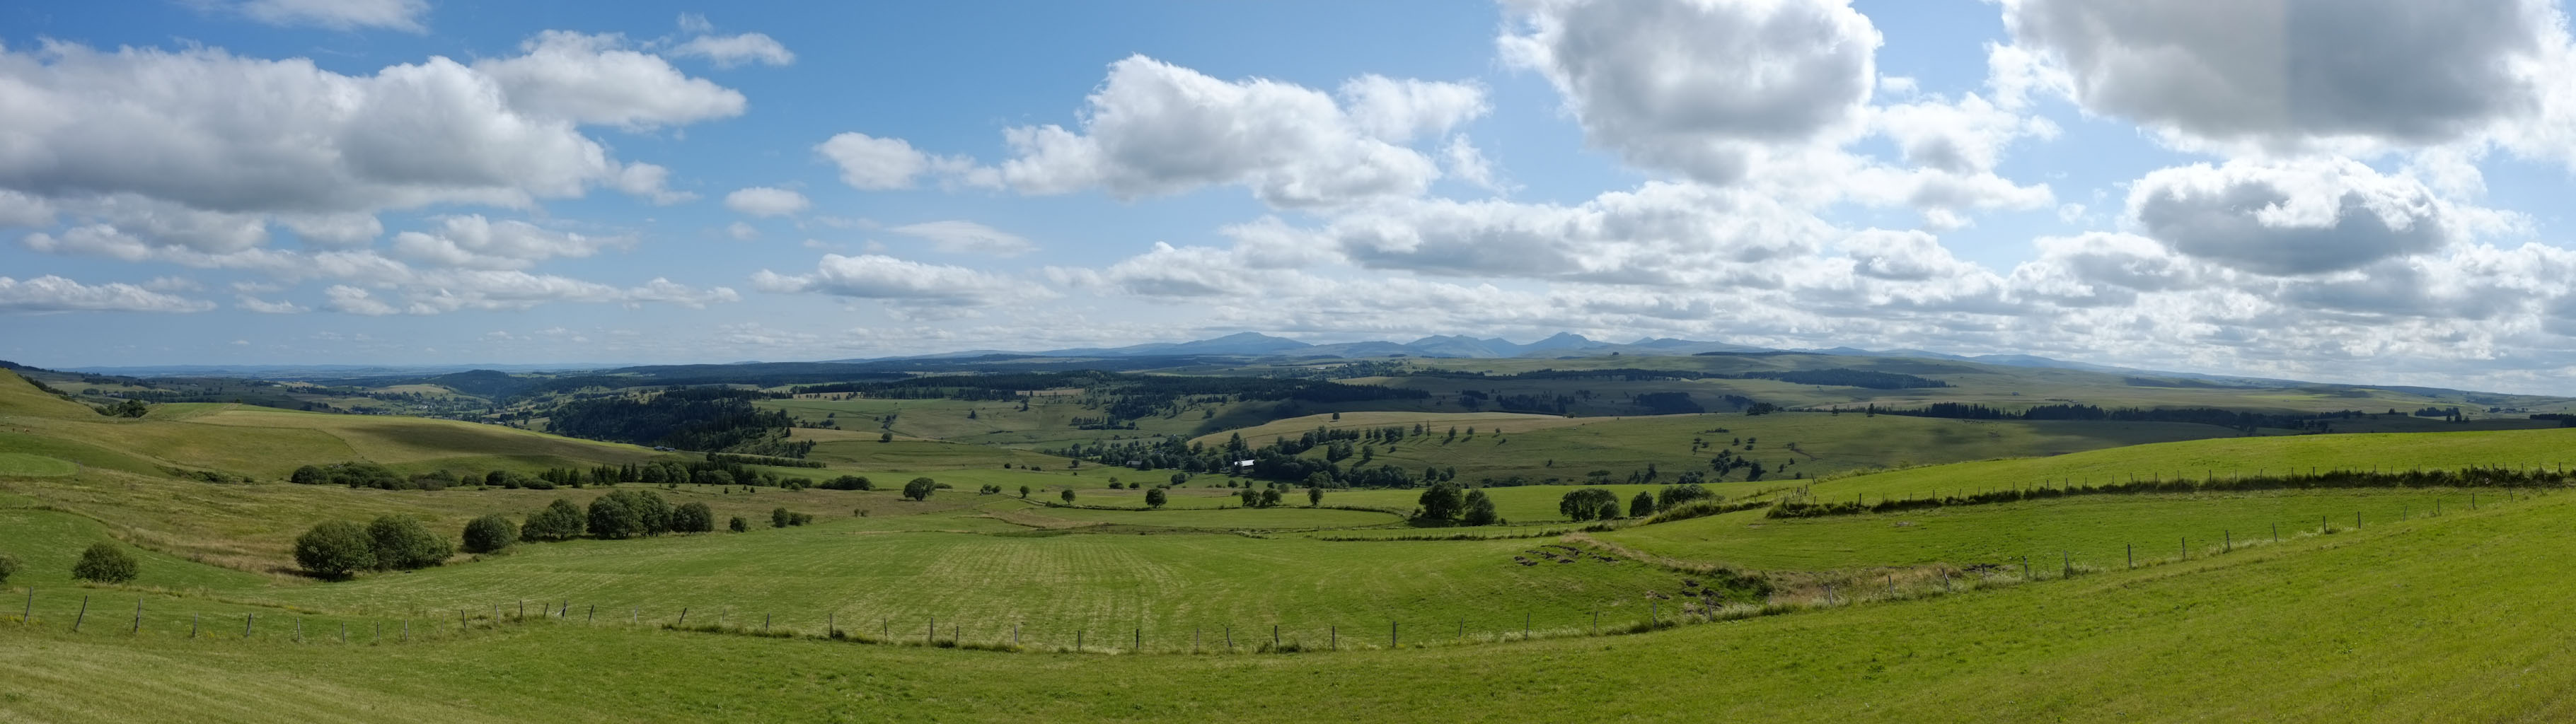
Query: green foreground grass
{"x": 2449, "y": 619}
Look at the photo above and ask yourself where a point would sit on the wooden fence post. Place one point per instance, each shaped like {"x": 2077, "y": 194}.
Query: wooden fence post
{"x": 30, "y": 615}
{"x": 194, "y": 623}
{"x": 2133, "y": 555}
{"x": 82, "y": 616}
{"x": 138, "y": 616}
{"x": 684, "y": 618}
{"x": 247, "y": 620}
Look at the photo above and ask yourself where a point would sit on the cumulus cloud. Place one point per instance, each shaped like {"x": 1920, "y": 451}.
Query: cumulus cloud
{"x": 51, "y": 293}
{"x": 263, "y": 306}
{"x": 597, "y": 79}
{"x": 1662, "y": 233}
{"x": 475, "y": 242}
{"x": 401, "y": 15}
{"x": 967, "y": 237}
{"x": 875, "y": 276}
{"x": 2297, "y": 73}
{"x": 1154, "y": 128}
{"x": 2290, "y": 218}
{"x": 765, "y": 201}
{"x": 1700, "y": 87}
{"x": 207, "y": 130}
{"x": 731, "y": 50}
{"x": 869, "y": 163}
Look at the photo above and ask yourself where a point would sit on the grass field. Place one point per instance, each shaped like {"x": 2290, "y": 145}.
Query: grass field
{"x": 2410, "y": 617}
{"x": 2389, "y": 625}
{"x": 2093, "y": 531}
{"x": 2222, "y": 458}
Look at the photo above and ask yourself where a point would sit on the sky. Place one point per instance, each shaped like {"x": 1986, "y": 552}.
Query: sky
{"x": 2336, "y": 190}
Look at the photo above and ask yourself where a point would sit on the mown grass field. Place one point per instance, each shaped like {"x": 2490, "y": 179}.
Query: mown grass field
{"x": 2091, "y": 531}
{"x": 2432, "y": 620}
{"x": 2223, "y": 458}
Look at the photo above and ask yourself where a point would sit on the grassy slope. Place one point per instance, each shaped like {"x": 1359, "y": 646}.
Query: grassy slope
{"x": 2230, "y": 456}
{"x": 1827, "y": 444}
{"x": 2431, "y": 620}
{"x": 2091, "y": 530}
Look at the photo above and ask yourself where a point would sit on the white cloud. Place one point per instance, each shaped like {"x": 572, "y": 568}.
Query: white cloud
{"x": 475, "y": 242}
{"x": 967, "y": 237}
{"x": 1397, "y": 111}
{"x": 1154, "y": 128}
{"x": 51, "y": 293}
{"x": 873, "y": 276}
{"x": 741, "y": 231}
{"x": 766, "y": 201}
{"x": 595, "y": 79}
{"x": 263, "y": 306}
{"x": 869, "y": 163}
{"x": 2291, "y": 74}
{"x": 401, "y": 15}
{"x": 202, "y": 129}
{"x": 651, "y": 182}
{"x": 1466, "y": 163}
{"x": 2292, "y": 217}
{"x": 1701, "y": 87}
{"x": 731, "y": 50}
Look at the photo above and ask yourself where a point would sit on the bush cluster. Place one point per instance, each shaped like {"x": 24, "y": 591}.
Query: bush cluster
{"x": 106, "y": 562}
{"x": 336, "y": 548}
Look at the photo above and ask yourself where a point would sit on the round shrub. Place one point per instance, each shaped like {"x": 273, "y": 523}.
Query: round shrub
{"x": 401, "y": 543}
{"x": 560, "y": 520}
{"x": 920, "y": 488}
{"x": 490, "y": 534}
{"x": 739, "y": 526}
{"x": 333, "y": 548}
{"x": 692, "y": 518}
{"x": 106, "y": 562}
{"x": 8, "y": 565}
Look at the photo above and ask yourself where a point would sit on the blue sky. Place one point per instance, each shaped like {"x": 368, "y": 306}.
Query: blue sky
{"x": 2167, "y": 185}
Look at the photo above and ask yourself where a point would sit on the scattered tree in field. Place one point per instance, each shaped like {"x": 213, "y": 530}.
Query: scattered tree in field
{"x": 1154, "y": 498}
{"x": 488, "y": 534}
{"x": 1068, "y": 496}
{"x": 560, "y": 520}
{"x": 1115, "y": 485}
{"x": 629, "y": 513}
{"x": 1609, "y": 510}
{"x": 1479, "y": 509}
{"x": 920, "y": 488}
{"x": 1270, "y": 497}
{"x": 1179, "y": 478}
{"x": 1251, "y": 498}
{"x": 693, "y": 518}
{"x": 1586, "y": 503}
{"x": 106, "y": 562}
{"x": 1314, "y": 497}
{"x": 1643, "y": 505}
{"x": 1440, "y": 502}
{"x": 738, "y": 525}
{"x": 885, "y": 437}
{"x": 402, "y": 544}
{"x": 8, "y": 566}
{"x": 1024, "y": 492}
{"x": 780, "y": 517}
{"x": 849, "y": 482}
{"x": 1673, "y": 496}
{"x": 333, "y": 548}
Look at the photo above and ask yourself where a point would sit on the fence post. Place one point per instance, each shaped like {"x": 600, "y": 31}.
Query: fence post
{"x": 138, "y": 616}
{"x": 1392, "y": 641}
{"x": 684, "y": 618}
{"x": 1945, "y": 579}
{"x": 933, "y": 636}
{"x": 2230, "y": 545}
{"x": 764, "y": 623}
{"x": 1140, "y": 640}
{"x": 1229, "y": 636}
{"x": 344, "y": 632}
{"x": 2276, "y": 531}
{"x": 194, "y": 624}
{"x": 1525, "y": 625}
{"x": 593, "y": 616}
{"x": 82, "y": 616}
{"x": 2065, "y": 562}
{"x": 1334, "y": 634}
{"x": 299, "y": 630}
{"x": 2133, "y": 555}
{"x": 1274, "y": 637}
{"x": 1077, "y": 640}
{"x": 247, "y": 620}
{"x": 30, "y": 615}
{"x": 2323, "y": 527}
